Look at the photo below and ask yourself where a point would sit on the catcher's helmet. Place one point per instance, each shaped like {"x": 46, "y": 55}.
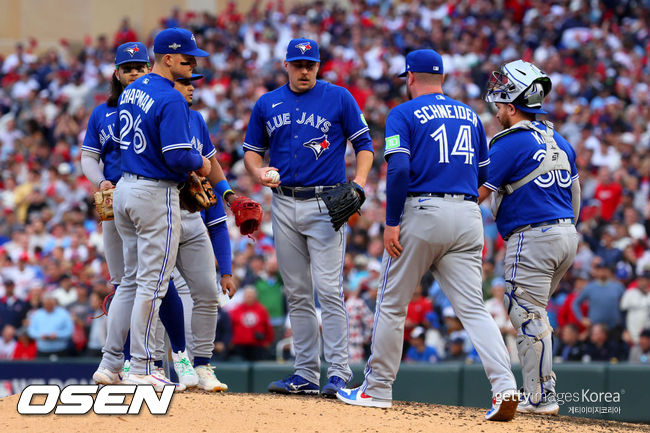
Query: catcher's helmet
{"x": 519, "y": 83}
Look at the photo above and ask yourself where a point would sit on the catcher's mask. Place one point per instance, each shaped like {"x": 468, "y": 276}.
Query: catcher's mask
{"x": 519, "y": 83}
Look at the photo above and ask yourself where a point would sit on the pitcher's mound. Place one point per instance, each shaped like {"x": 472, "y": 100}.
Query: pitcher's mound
{"x": 265, "y": 413}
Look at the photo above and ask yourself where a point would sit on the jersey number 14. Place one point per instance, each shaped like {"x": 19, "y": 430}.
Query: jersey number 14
{"x": 462, "y": 146}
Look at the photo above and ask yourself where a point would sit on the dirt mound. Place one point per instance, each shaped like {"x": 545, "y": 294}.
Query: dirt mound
{"x": 205, "y": 412}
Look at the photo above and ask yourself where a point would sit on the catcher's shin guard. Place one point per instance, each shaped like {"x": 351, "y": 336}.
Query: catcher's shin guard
{"x": 533, "y": 343}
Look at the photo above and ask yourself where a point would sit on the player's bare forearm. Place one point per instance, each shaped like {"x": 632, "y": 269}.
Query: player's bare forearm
{"x": 253, "y": 163}
{"x": 483, "y": 193}
{"x": 216, "y": 174}
{"x": 364, "y": 163}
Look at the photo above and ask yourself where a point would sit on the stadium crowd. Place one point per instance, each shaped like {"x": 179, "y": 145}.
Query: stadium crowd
{"x": 53, "y": 274}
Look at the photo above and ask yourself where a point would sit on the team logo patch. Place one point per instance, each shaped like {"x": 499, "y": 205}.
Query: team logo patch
{"x": 132, "y": 50}
{"x": 363, "y": 119}
{"x": 392, "y": 142}
{"x": 318, "y": 145}
{"x": 303, "y": 46}
{"x": 174, "y": 46}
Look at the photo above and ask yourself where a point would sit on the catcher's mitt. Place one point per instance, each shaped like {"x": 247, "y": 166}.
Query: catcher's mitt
{"x": 248, "y": 215}
{"x": 196, "y": 193}
{"x": 342, "y": 201}
{"x": 104, "y": 204}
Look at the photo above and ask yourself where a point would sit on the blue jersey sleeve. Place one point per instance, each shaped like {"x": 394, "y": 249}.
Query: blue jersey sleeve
{"x": 256, "y": 139}
{"x": 397, "y": 134}
{"x": 354, "y": 124}
{"x": 174, "y": 126}
{"x": 91, "y": 140}
{"x": 483, "y": 155}
{"x": 501, "y": 167}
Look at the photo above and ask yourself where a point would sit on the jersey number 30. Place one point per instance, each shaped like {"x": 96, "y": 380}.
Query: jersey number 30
{"x": 126, "y": 123}
{"x": 462, "y": 146}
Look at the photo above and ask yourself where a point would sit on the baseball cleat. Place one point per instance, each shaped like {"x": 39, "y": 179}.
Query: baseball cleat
{"x": 208, "y": 380}
{"x": 157, "y": 378}
{"x": 547, "y": 406}
{"x": 357, "y": 397}
{"x": 294, "y": 384}
{"x": 332, "y": 386}
{"x": 504, "y": 406}
{"x": 104, "y": 376}
{"x": 184, "y": 370}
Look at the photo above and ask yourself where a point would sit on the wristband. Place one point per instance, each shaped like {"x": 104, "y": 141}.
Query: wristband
{"x": 222, "y": 188}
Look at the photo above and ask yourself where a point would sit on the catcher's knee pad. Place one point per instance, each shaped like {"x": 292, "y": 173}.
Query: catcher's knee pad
{"x": 533, "y": 344}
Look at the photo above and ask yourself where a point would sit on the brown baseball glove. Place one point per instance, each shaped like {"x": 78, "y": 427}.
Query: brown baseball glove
{"x": 104, "y": 204}
{"x": 197, "y": 194}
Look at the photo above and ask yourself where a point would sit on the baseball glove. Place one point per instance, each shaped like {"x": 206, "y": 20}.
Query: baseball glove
{"x": 196, "y": 193}
{"x": 248, "y": 215}
{"x": 104, "y": 204}
{"x": 342, "y": 201}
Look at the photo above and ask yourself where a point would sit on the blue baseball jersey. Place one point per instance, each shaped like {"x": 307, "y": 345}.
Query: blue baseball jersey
{"x": 102, "y": 138}
{"x": 202, "y": 143}
{"x": 514, "y": 155}
{"x": 445, "y": 142}
{"x": 306, "y": 133}
{"x": 154, "y": 118}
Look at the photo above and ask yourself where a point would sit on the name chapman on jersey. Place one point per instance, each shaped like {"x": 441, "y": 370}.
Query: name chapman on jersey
{"x": 445, "y": 111}
{"x": 137, "y": 97}
{"x": 316, "y": 121}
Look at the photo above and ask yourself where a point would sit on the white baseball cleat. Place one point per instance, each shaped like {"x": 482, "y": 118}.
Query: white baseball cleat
{"x": 207, "y": 379}
{"x": 157, "y": 378}
{"x": 357, "y": 397}
{"x": 184, "y": 370}
{"x": 104, "y": 376}
{"x": 547, "y": 406}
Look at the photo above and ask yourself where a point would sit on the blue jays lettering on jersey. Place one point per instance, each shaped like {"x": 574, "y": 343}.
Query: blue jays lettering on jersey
{"x": 445, "y": 142}
{"x": 200, "y": 136}
{"x": 306, "y": 133}
{"x": 102, "y": 138}
{"x": 154, "y": 118}
{"x": 548, "y": 197}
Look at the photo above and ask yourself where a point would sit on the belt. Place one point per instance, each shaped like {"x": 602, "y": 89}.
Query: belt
{"x": 466, "y": 197}
{"x": 161, "y": 181}
{"x": 539, "y": 224}
{"x": 300, "y": 192}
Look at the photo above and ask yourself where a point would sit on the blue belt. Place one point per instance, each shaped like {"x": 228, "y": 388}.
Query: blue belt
{"x": 300, "y": 192}
{"x": 466, "y": 197}
{"x": 140, "y": 177}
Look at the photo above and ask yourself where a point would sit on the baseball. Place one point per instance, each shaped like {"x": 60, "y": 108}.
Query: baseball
{"x": 273, "y": 176}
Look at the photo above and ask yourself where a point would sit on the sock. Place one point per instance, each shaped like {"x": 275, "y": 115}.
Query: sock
{"x": 198, "y": 360}
{"x": 127, "y": 347}
{"x": 171, "y": 316}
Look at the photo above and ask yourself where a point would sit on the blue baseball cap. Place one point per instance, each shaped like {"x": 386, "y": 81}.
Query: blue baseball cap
{"x": 302, "y": 49}
{"x": 177, "y": 41}
{"x": 194, "y": 77}
{"x": 131, "y": 52}
{"x": 427, "y": 61}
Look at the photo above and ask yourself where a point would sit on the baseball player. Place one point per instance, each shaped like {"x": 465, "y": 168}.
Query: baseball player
{"x": 195, "y": 261}
{"x": 305, "y": 126}
{"x": 156, "y": 155}
{"x": 535, "y": 180}
{"x": 433, "y": 223}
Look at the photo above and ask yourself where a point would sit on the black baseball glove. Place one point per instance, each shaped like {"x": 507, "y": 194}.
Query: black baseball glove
{"x": 342, "y": 201}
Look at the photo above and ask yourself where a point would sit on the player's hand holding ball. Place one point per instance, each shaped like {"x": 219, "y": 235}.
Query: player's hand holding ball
{"x": 270, "y": 177}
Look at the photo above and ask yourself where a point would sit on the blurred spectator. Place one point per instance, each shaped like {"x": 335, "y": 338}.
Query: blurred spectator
{"x": 417, "y": 311}
{"x": 360, "y": 323}
{"x": 25, "y": 346}
{"x": 601, "y": 293}
{"x": 66, "y": 293}
{"x": 569, "y": 348}
{"x": 600, "y": 347}
{"x": 96, "y": 324}
{"x": 7, "y": 342}
{"x": 252, "y": 333}
{"x": 124, "y": 34}
{"x": 51, "y": 327}
{"x": 455, "y": 349}
{"x": 419, "y": 351}
{"x": 565, "y": 315}
{"x": 641, "y": 351}
{"x": 269, "y": 292}
{"x": 609, "y": 193}
{"x": 636, "y": 302}
{"x": 497, "y": 309}
{"x": 12, "y": 309}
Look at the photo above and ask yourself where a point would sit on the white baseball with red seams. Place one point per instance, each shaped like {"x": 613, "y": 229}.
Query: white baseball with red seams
{"x": 273, "y": 176}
